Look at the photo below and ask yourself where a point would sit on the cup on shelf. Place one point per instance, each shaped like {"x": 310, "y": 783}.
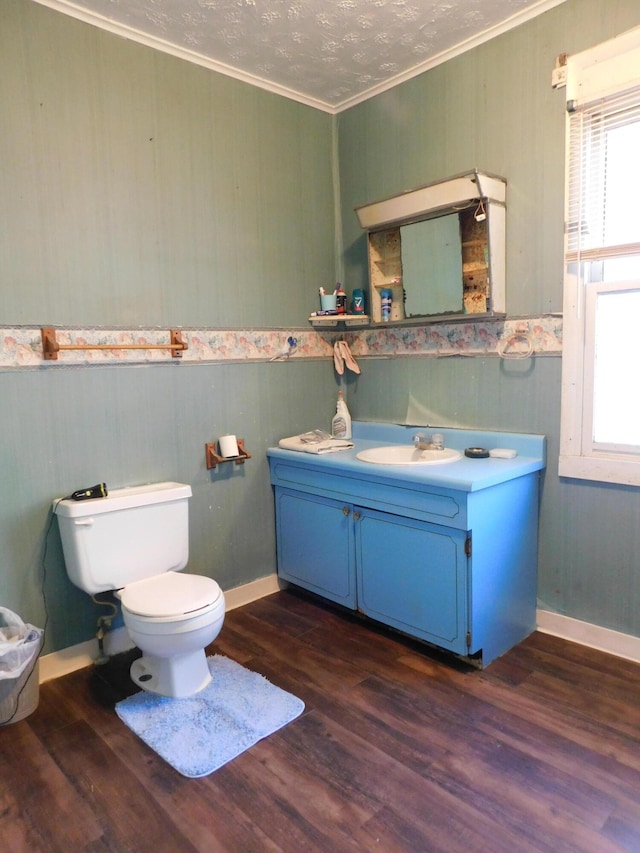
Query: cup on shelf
{"x": 328, "y": 301}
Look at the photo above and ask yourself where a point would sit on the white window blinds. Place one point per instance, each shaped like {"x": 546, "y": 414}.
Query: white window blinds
{"x": 602, "y": 188}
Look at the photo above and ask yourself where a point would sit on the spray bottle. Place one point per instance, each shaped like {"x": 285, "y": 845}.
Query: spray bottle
{"x": 341, "y": 423}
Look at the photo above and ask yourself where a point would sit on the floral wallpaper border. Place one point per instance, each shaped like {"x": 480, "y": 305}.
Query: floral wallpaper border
{"x": 21, "y": 347}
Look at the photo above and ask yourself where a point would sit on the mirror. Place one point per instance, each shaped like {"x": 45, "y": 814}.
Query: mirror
{"x": 438, "y": 251}
{"x": 431, "y": 259}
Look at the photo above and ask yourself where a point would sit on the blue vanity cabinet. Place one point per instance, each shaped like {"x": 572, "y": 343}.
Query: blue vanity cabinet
{"x": 448, "y": 556}
{"x": 405, "y": 573}
{"x": 314, "y": 539}
{"x": 412, "y": 575}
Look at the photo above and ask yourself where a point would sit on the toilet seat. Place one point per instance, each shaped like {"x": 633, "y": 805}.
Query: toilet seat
{"x": 170, "y": 594}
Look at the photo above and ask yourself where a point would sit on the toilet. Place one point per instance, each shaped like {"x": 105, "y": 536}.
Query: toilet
{"x": 135, "y": 542}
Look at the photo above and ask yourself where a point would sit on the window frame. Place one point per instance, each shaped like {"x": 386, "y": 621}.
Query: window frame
{"x": 599, "y": 73}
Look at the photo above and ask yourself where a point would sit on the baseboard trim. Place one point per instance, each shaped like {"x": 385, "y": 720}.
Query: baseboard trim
{"x": 84, "y": 654}
{"x": 595, "y": 637}
{"x": 68, "y": 660}
{"x": 248, "y": 592}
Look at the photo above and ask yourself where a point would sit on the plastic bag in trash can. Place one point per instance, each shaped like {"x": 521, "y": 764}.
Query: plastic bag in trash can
{"x": 19, "y": 643}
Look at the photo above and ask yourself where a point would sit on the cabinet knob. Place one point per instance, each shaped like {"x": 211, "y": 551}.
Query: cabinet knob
{"x": 345, "y": 510}
{"x": 356, "y": 515}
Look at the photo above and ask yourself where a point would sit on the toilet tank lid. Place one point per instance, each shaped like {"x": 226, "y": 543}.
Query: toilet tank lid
{"x": 152, "y": 493}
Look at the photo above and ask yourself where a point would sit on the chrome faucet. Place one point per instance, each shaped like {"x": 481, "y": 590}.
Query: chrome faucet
{"x": 421, "y": 441}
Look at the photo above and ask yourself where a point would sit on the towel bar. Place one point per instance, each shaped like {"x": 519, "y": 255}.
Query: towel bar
{"x": 51, "y": 347}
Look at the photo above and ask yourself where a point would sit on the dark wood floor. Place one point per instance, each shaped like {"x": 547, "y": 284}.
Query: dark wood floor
{"x": 397, "y": 750}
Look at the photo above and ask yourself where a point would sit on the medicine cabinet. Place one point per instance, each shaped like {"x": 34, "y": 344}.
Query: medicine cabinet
{"x": 438, "y": 249}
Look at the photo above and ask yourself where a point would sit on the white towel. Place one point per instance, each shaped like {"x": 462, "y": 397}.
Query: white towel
{"x": 342, "y": 354}
{"x": 329, "y": 445}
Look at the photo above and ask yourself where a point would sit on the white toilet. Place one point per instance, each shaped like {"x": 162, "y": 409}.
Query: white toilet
{"x": 135, "y": 541}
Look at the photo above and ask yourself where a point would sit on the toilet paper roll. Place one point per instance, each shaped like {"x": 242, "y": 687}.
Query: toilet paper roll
{"x": 228, "y": 446}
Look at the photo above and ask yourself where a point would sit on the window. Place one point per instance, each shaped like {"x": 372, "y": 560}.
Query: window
{"x": 600, "y": 427}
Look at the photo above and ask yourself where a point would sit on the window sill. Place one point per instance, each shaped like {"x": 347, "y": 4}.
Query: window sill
{"x": 602, "y": 469}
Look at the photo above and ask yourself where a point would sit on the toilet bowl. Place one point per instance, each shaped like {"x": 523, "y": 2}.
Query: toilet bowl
{"x": 172, "y": 618}
{"x": 134, "y": 542}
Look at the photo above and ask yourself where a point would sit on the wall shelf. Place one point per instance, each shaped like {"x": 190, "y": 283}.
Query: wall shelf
{"x": 333, "y": 320}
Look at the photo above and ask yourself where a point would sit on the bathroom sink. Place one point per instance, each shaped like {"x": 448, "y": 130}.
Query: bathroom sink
{"x": 406, "y": 454}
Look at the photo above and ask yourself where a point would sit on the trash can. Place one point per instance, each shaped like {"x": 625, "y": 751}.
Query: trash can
{"x": 19, "y": 685}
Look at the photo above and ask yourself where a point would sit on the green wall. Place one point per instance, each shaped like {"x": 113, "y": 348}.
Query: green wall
{"x": 493, "y": 108}
{"x": 63, "y": 429}
{"x": 140, "y": 190}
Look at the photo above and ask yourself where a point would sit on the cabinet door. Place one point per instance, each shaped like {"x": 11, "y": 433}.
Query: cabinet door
{"x": 413, "y": 576}
{"x": 315, "y": 545}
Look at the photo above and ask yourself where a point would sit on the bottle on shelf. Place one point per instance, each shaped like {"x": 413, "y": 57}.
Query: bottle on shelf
{"x": 341, "y": 299}
{"x": 358, "y": 301}
{"x": 386, "y": 301}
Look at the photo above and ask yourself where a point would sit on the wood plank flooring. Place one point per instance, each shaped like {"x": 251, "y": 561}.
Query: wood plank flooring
{"x": 399, "y": 749}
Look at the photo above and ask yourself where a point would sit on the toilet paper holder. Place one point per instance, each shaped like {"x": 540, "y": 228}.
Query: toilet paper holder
{"x": 213, "y": 458}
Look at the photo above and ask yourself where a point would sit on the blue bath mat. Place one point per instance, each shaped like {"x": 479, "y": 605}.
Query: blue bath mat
{"x": 199, "y": 734}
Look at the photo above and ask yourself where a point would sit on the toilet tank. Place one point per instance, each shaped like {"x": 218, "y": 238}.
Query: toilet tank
{"x": 131, "y": 534}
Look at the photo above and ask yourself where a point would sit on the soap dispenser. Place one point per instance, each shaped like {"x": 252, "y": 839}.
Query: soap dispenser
{"x": 341, "y": 423}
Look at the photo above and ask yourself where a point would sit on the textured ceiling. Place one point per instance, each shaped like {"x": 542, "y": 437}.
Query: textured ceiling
{"x": 327, "y": 53}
